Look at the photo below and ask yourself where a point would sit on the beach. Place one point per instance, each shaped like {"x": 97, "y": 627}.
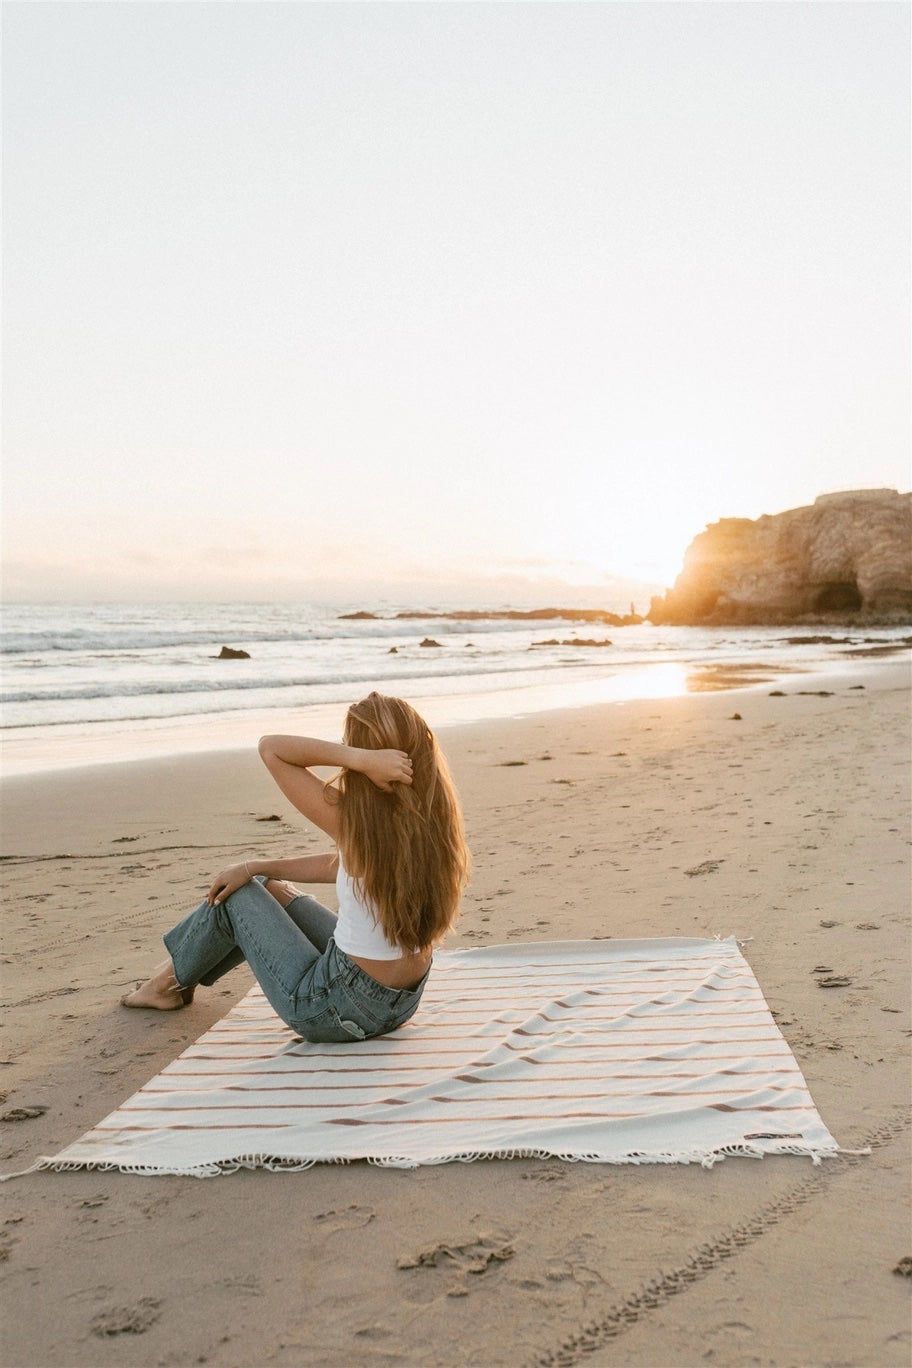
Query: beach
{"x": 776, "y": 813}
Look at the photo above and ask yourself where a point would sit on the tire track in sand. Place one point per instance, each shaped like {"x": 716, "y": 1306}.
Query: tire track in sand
{"x": 622, "y": 1315}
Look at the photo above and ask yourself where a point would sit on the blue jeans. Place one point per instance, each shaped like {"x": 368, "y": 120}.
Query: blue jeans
{"x": 311, "y": 984}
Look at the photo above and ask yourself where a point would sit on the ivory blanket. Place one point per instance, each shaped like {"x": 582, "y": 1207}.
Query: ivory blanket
{"x": 609, "y": 1051}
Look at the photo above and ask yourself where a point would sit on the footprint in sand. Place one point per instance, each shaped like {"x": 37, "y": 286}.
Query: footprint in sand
{"x": 352, "y": 1217}
{"x": 127, "y": 1320}
{"x": 707, "y": 867}
{"x": 465, "y": 1260}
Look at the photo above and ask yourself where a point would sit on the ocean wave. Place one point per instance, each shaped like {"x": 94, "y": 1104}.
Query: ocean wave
{"x": 169, "y": 705}
{"x": 118, "y": 639}
{"x": 406, "y": 671}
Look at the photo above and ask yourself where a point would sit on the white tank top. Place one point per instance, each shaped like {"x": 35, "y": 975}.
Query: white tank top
{"x": 358, "y": 931}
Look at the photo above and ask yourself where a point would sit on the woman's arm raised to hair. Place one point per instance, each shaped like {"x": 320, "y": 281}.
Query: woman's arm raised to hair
{"x": 289, "y": 758}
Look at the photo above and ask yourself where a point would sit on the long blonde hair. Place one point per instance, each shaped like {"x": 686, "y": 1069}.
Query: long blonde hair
{"x": 404, "y": 849}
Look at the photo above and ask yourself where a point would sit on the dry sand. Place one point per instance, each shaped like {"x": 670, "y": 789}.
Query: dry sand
{"x": 788, "y": 828}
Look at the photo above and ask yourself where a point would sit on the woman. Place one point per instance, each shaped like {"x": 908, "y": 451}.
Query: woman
{"x": 400, "y": 866}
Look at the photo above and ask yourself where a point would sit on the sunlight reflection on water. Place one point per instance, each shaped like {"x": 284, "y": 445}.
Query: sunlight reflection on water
{"x": 671, "y": 679}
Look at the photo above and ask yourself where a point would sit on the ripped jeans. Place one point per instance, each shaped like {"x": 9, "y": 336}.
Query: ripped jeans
{"x": 310, "y": 983}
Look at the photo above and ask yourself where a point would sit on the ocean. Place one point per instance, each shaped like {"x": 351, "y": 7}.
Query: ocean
{"x": 88, "y": 681}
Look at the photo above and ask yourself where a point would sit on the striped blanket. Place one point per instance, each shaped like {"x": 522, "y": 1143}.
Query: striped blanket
{"x": 655, "y": 1051}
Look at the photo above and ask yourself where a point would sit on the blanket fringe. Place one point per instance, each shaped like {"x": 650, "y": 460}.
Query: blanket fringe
{"x": 277, "y": 1164}
{"x": 21, "y": 1173}
{"x": 49, "y": 1163}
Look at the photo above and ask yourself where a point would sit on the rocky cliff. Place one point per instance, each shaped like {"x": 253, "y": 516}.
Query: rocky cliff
{"x": 848, "y": 555}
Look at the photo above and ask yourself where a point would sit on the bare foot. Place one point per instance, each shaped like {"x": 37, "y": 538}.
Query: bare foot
{"x": 161, "y": 992}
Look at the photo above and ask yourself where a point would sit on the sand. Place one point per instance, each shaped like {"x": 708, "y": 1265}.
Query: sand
{"x": 788, "y": 828}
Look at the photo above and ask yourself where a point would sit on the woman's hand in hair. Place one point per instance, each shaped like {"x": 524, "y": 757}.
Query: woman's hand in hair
{"x": 384, "y": 767}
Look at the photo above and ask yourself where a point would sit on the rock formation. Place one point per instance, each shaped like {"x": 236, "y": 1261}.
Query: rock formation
{"x": 600, "y": 615}
{"x": 571, "y": 641}
{"x": 846, "y": 556}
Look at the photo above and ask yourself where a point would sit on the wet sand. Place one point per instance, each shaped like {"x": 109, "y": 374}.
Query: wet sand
{"x": 788, "y": 828}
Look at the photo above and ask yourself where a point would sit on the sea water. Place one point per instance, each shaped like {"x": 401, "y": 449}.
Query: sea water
{"x": 74, "y": 672}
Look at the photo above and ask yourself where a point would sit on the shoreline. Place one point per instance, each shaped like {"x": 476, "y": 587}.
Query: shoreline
{"x": 786, "y": 828}
{"x": 78, "y": 745}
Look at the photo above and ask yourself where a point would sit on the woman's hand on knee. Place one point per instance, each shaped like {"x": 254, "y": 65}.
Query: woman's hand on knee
{"x": 226, "y": 882}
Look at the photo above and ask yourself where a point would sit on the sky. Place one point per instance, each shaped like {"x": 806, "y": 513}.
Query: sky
{"x": 441, "y": 301}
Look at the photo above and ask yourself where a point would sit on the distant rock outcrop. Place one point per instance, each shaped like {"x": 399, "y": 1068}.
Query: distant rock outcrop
{"x": 506, "y": 615}
{"x": 846, "y": 556}
{"x": 229, "y": 653}
{"x": 571, "y": 641}
{"x": 529, "y": 615}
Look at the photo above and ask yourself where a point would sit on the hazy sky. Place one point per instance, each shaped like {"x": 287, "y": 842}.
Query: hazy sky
{"x": 404, "y": 296}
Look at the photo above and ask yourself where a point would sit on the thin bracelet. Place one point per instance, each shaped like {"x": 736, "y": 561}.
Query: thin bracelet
{"x": 247, "y": 868}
